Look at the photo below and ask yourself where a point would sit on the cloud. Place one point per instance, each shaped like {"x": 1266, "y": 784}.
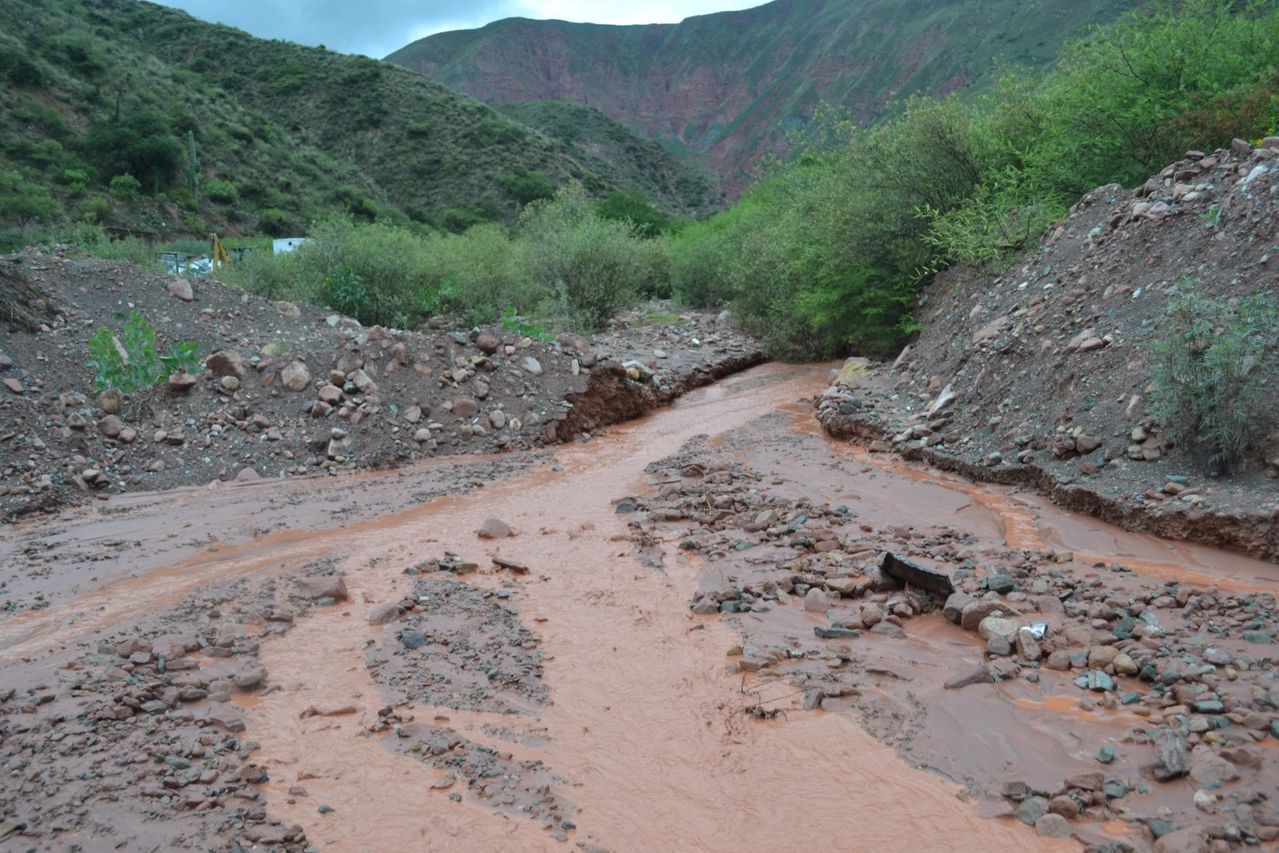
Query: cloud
{"x": 378, "y": 27}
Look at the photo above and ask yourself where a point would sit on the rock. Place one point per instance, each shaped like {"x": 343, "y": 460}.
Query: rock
{"x": 487, "y": 343}
{"x": 1100, "y": 657}
{"x": 465, "y": 407}
{"x": 412, "y": 638}
{"x": 1187, "y": 840}
{"x": 1209, "y": 770}
{"x": 972, "y": 615}
{"x": 247, "y": 475}
{"x": 497, "y": 419}
{"x": 181, "y": 382}
{"x": 324, "y": 586}
{"x": 14, "y": 385}
{"x": 1059, "y": 660}
{"x": 853, "y": 373}
{"x": 493, "y": 528}
{"x": 384, "y": 613}
{"x": 1052, "y": 826}
{"x": 1028, "y": 648}
{"x": 1031, "y": 809}
{"x": 997, "y": 626}
{"x": 1125, "y": 665}
{"x": 250, "y": 676}
{"x": 872, "y": 615}
{"x": 1171, "y": 760}
{"x": 532, "y": 365}
{"x": 1064, "y": 806}
{"x": 980, "y": 675}
{"x": 955, "y": 604}
{"x": 912, "y": 574}
{"x": 226, "y": 363}
{"x": 111, "y": 426}
{"x": 295, "y": 376}
{"x": 180, "y": 288}
{"x": 816, "y": 601}
{"x": 1001, "y": 583}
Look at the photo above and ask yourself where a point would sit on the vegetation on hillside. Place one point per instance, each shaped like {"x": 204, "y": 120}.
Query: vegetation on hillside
{"x": 632, "y": 160}
{"x": 825, "y": 255}
{"x": 141, "y": 118}
{"x": 563, "y": 263}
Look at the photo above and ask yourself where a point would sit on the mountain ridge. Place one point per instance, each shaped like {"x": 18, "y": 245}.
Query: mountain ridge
{"x": 726, "y": 86}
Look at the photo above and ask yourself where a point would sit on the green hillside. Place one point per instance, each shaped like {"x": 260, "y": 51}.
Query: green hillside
{"x": 608, "y": 147}
{"x": 728, "y": 85}
{"x": 281, "y": 134}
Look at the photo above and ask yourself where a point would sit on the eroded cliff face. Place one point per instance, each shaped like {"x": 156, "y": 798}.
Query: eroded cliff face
{"x": 728, "y": 86}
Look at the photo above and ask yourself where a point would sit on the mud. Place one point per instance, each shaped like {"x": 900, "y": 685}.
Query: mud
{"x": 552, "y": 687}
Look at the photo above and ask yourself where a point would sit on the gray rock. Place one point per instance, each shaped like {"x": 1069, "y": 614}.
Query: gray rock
{"x": 1031, "y": 809}
{"x": 412, "y": 638}
{"x": 384, "y": 613}
{"x": 1171, "y": 759}
{"x": 532, "y": 365}
{"x": 1053, "y": 826}
{"x": 326, "y": 586}
{"x": 493, "y": 528}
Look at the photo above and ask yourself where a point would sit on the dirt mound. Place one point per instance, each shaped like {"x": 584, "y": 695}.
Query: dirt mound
{"x": 1041, "y": 375}
{"x": 290, "y": 390}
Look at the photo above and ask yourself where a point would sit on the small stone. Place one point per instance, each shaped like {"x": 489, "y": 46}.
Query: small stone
{"x": 532, "y": 365}
{"x": 384, "y": 613}
{"x": 325, "y": 586}
{"x": 1052, "y": 826}
{"x": 412, "y": 638}
{"x": 1031, "y": 809}
{"x": 493, "y": 528}
{"x": 997, "y": 626}
{"x": 251, "y": 676}
{"x": 180, "y": 288}
{"x": 816, "y": 601}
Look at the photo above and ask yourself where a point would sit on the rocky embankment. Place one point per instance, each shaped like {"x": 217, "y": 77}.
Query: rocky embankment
{"x": 1041, "y": 376}
{"x": 288, "y": 389}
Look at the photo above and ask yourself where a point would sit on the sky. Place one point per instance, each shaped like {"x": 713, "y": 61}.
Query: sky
{"x": 378, "y": 27}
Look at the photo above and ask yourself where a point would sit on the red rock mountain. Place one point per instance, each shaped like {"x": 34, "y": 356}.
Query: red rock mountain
{"x": 727, "y": 86}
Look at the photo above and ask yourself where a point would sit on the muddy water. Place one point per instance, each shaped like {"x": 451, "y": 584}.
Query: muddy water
{"x": 646, "y": 726}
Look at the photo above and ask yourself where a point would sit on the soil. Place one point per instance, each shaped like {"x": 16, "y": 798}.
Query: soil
{"x": 299, "y": 390}
{"x": 607, "y": 646}
{"x": 1040, "y": 376}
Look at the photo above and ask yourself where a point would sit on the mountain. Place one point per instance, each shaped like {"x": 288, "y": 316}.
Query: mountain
{"x": 94, "y": 89}
{"x": 728, "y": 85}
{"x": 609, "y": 147}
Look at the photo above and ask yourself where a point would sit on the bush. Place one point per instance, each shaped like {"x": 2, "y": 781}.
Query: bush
{"x": 1214, "y": 364}
{"x": 525, "y": 186}
{"x": 130, "y": 362}
{"x": 26, "y": 201}
{"x": 223, "y": 192}
{"x": 125, "y": 187}
{"x": 593, "y": 266}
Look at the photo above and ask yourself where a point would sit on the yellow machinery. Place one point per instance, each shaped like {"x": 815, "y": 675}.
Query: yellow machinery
{"x": 221, "y": 257}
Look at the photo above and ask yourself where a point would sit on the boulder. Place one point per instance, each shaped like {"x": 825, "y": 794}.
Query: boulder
{"x": 295, "y": 376}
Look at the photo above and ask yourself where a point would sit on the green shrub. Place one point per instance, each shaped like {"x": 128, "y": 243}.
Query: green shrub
{"x": 525, "y": 186}
{"x": 223, "y": 192}
{"x": 96, "y": 209}
{"x": 593, "y": 266}
{"x": 75, "y": 180}
{"x": 26, "y": 201}
{"x": 275, "y": 222}
{"x": 125, "y": 187}
{"x": 1214, "y": 364}
{"x": 130, "y": 362}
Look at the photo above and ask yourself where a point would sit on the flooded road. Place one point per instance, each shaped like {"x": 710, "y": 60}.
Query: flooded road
{"x": 647, "y": 730}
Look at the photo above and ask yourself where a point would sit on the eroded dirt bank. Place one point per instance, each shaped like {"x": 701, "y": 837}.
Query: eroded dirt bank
{"x": 547, "y": 683}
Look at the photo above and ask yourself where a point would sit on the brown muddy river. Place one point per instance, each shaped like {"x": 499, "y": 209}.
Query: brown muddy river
{"x": 644, "y": 725}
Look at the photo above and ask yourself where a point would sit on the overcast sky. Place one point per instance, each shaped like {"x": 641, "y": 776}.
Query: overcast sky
{"x": 378, "y": 27}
